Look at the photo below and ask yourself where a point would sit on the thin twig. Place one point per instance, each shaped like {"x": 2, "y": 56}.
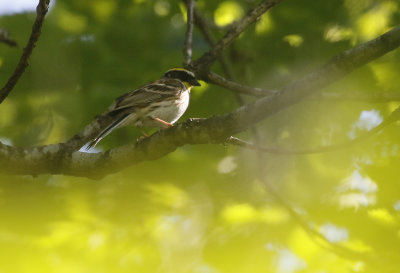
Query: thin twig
{"x": 204, "y": 62}
{"x": 5, "y": 38}
{"x": 41, "y": 11}
{"x": 237, "y": 87}
{"x": 394, "y": 116}
{"x": 217, "y": 79}
{"x": 204, "y": 28}
{"x": 187, "y": 46}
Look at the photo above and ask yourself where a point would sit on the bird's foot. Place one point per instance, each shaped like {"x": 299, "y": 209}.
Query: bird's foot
{"x": 163, "y": 122}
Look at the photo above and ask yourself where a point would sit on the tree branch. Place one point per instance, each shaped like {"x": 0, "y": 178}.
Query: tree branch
{"x": 187, "y": 46}
{"x": 337, "y": 68}
{"x": 237, "y": 87}
{"x": 41, "y": 11}
{"x": 62, "y": 159}
{"x": 89, "y": 132}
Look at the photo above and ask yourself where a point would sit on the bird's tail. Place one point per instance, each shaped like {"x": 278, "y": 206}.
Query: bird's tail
{"x": 114, "y": 125}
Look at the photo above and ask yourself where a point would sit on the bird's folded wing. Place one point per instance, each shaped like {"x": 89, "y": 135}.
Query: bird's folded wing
{"x": 155, "y": 92}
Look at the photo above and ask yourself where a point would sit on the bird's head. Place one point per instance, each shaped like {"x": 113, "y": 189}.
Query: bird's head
{"x": 185, "y": 76}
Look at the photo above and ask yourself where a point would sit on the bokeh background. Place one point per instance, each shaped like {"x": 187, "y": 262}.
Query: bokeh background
{"x": 204, "y": 208}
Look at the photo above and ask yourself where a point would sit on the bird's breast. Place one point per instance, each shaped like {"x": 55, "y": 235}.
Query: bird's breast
{"x": 168, "y": 110}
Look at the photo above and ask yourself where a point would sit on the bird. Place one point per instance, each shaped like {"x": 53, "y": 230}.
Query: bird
{"x": 158, "y": 104}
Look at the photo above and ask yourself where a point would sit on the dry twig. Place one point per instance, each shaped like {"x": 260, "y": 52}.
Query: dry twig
{"x": 41, "y": 11}
{"x": 237, "y": 87}
{"x": 187, "y": 46}
{"x": 202, "y": 65}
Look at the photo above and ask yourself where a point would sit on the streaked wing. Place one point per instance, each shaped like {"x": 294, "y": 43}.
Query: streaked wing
{"x": 157, "y": 91}
{"x": 115, "y": 124}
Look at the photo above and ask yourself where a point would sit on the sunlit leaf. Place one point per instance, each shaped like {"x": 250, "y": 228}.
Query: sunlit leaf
{"x": 294, "y": 40}
{"x": 376, "y": 20}
{"x": 227, "y": 12}
{"x": 382, "y": 215}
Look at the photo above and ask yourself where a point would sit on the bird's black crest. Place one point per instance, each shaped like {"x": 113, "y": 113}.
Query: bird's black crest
{"x": 183, "y": 75}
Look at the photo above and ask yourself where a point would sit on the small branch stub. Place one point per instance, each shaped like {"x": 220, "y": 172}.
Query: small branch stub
{"x": 6, "y": 39}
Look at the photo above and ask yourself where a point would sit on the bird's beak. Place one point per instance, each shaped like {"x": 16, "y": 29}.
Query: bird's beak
{"x": 194, "y": 82}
